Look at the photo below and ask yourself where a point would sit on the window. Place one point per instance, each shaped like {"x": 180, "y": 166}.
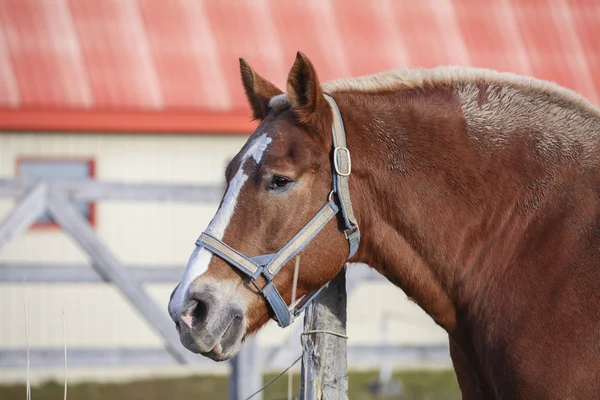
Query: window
{"x": 58, "y": 169}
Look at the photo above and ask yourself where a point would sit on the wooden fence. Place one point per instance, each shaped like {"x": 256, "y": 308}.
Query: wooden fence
{"x": 325, "y": 320}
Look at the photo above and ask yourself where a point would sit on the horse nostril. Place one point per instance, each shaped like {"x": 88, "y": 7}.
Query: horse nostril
{"x": 196, "y": 312}
{"x": 200, "y": 312}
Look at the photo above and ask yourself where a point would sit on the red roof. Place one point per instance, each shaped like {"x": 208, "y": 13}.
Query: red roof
{"x": 156, "y": 65}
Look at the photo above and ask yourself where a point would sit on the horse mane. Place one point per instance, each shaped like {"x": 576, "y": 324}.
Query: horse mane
{"x": 413, "y": 78}
{"x": 559, "y": 116}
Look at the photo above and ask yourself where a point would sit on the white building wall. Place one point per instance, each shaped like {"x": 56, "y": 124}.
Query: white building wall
{"x": 148, "y": 234}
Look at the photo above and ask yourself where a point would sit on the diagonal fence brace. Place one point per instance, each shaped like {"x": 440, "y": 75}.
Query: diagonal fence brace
{"x": 24, "y": 214}
{"x": 108, "y": 267}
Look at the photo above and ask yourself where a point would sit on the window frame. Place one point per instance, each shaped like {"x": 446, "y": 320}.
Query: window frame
{"x": 91, "y": 162}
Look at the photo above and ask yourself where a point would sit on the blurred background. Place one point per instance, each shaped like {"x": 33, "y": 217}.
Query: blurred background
{"x": 144, "y": 97}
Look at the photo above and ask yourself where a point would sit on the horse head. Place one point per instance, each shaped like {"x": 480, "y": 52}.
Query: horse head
{"x": 278, "y": 201}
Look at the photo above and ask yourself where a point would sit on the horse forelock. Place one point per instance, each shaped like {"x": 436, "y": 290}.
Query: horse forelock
{"x": 279, "y": 103}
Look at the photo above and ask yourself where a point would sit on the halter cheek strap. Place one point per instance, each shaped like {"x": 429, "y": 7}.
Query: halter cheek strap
{"x": 342, "y": 164}
{"x": 269, "y": 265}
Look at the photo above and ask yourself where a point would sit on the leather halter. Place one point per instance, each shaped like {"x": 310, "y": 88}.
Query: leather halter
{"x": 269, "y": 265}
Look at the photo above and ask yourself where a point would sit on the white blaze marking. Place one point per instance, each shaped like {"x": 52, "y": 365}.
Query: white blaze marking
{"x": 200, "y": 258}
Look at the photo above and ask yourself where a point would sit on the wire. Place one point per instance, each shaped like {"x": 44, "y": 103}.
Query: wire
{"x": 27, "y": 311}
{"x": 324, "y": 331}
{"x": 274, "y": 379}
{"x": 295, "y": 284}
{"x": 65, "y": 341}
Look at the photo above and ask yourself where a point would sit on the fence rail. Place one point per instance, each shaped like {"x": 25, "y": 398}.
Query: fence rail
{"x": 23, "y": 272}
{"x": 89, "y": 190}
{"x": 27, "y": 273}
{"x": 359, "y": 356}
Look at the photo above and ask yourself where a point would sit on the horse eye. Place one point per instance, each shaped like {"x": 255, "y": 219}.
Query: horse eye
{"x": 279, "y": 181}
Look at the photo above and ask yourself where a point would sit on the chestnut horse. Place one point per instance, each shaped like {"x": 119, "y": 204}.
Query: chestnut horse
{"x": 476, "y": 192}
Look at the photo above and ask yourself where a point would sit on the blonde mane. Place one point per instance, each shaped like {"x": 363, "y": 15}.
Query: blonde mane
{"x": 406, "y": 78}
{"x": 409, "y": 78}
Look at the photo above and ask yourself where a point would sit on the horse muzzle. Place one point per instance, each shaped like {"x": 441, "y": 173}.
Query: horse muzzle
{"x": 210, "y": 325}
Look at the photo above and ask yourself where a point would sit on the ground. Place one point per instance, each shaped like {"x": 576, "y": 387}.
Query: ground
{"x": 418, "y": 385}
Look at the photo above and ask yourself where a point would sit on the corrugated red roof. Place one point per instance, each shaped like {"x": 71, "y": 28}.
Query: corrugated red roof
{"x": 144, "y": 65}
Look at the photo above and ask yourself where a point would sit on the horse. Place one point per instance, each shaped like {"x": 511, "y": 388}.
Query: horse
{"x": 476, "y": 192}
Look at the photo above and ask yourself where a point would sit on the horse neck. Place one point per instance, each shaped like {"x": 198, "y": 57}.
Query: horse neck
{"x": 425, "y": 211}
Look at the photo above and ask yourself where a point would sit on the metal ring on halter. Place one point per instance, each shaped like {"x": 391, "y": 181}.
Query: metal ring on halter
{"x": 330, "y": 197}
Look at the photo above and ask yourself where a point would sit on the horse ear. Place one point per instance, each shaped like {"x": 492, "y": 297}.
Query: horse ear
{"x": 304, "y": 90}
{"x": 259, "y": 91}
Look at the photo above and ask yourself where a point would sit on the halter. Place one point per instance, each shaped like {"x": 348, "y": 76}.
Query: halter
{"x": 269, "y": 265}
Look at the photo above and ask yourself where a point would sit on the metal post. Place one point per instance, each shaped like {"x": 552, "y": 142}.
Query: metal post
{"x": 246, "y": 372}
{"x": 324, "y": 361}
{"x": 385, "y": 385}
{"x": 385, "y": 369}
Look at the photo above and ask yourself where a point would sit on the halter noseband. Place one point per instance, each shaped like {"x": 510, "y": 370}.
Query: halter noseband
{"x": 269, "y": 265}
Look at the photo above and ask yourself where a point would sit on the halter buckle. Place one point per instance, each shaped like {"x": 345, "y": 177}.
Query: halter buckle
{"x": 341, "y": 155}
{"x": 350, "y": 233}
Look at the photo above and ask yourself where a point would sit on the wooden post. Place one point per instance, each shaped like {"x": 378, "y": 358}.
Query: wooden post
{"x": 324, "y": 361}
{"x": 246, "y": 372}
